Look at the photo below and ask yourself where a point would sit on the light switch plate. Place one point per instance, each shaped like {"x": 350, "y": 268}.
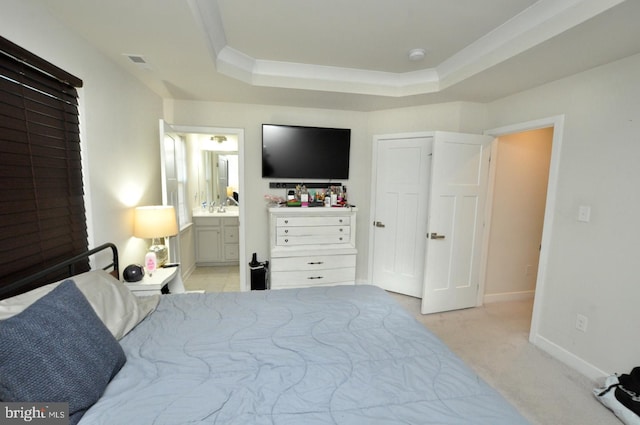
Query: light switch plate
{"x": 584, "y": 213}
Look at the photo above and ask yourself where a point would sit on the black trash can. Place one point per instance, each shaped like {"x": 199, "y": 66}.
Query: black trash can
{"x": 259, "y": 274}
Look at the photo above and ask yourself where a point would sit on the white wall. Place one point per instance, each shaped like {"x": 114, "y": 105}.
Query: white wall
{"x": 119, "y": 127}
{"x": 363, "y": 126}
{"x": 250, "y": 118}
{"x": 463, "y": 117}
{"x": 592, "y": 266}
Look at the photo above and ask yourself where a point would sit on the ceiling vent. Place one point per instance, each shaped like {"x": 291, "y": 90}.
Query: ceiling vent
{"x": 139, "y": 60}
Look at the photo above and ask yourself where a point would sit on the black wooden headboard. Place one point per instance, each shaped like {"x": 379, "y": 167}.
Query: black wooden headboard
{"x": 27, "y": 283}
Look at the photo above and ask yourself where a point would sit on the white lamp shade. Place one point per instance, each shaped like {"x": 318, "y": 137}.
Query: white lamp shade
{"x": 156, "y": 221}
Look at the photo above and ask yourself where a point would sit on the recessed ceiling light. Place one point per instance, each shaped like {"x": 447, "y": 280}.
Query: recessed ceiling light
{"x": 416, "y": 54}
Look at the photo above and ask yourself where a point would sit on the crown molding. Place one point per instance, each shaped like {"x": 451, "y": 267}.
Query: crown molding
{"x": 539, "y": 23}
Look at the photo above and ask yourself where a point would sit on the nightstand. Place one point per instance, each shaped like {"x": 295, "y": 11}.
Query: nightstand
{"x": 152, "y": 284}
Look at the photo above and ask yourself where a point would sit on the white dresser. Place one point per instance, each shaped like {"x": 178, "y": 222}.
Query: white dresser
{"x": 312, "y": 246}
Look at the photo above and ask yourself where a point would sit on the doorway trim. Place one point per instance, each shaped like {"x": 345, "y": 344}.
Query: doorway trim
{"x": 192, "y": 129}
{"x": 557, "y": 122}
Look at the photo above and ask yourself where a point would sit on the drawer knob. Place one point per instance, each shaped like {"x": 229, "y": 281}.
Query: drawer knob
{"x": 286, "y": 222}
{"x": 314, "y": 277}
{"x": 286, "y": 240}
{"x": 341, "y": 229}
{"x": 286, "y": 230}
{"x": 315, "y": 262}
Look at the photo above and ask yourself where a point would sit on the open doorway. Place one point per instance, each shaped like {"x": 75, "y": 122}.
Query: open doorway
{"x": 556, "y": 126}
{"x": 215, "y": 215}
{"x": 520, "y": 179}
{"x": 213, "y": 236}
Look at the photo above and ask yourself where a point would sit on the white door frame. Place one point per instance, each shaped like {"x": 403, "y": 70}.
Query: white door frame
{"x": 240, "y": 133}
{"x": 557, "y": 122}
{"x": 374, "y": 177}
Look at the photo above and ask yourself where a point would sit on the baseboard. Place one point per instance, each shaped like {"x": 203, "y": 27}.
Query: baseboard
{"x": 508, "y": 296}
{"x": 186, "y": 272}
{"x": 570, "y": 359}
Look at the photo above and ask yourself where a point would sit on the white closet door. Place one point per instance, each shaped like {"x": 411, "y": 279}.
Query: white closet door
{"x": 403, "y": 168}
{"x": 456, "y": 221}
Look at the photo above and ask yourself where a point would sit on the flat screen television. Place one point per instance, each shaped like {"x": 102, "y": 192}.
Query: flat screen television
{"x": 298, "y": 152}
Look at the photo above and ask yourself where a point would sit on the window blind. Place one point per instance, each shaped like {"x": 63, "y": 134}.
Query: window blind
{"x": 42, "y": 214}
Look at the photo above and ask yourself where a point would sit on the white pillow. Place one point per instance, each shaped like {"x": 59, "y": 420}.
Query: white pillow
{"x": 112, "y": 301}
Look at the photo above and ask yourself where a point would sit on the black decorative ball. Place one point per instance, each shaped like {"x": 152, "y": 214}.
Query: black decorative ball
{"x": 133, "y": 273}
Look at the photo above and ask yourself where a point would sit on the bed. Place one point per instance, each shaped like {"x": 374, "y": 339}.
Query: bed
{"x": 329, "y": 355}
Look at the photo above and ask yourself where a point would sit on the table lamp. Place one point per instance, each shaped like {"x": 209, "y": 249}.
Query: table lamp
{"x": 156, "y": 223}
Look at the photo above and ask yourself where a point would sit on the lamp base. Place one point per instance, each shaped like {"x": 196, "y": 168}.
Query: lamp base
{"x": 161, "y": 251}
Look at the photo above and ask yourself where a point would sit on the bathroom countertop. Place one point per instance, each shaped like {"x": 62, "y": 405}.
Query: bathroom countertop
{"x": 230, "y": 212}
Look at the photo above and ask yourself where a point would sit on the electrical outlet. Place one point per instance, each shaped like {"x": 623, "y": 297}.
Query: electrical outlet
{"x": 581, "y": 323}
{"x": 584, "y": 213}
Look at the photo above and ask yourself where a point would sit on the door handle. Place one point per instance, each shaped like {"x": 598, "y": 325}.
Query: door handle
{"x": 436, "y": 236}
{"x": 378, "y": 224}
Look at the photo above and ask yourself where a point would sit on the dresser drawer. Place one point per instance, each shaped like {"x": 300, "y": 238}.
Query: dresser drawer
{"x": 312, "y": 221}
{"x": 315, "y": 262}
{"x": 313, "y": 230}
{"x": 298, "y": 279}
{"x": 311, "y": 240}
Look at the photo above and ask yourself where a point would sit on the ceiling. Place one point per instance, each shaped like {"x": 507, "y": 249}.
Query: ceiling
{"x": 352, "y": 55}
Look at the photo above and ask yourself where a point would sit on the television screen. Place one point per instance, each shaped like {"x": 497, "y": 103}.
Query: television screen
{"x": 305, "y": 152}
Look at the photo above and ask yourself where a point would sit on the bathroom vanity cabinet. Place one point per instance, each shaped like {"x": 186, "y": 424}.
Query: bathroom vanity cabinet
{"x": 217, "y": 240}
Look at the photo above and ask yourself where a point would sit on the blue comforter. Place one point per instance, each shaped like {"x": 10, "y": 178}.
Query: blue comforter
{"x": 331, "y": 355}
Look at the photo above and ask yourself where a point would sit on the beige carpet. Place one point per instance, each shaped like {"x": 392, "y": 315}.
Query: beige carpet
{"x": 493, "y": 340}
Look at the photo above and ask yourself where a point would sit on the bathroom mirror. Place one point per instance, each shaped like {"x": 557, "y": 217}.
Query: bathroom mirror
{"x": 218, "y": 176}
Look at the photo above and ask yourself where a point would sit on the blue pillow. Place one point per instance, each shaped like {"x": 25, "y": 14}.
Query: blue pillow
{"x": 58, "y": 350}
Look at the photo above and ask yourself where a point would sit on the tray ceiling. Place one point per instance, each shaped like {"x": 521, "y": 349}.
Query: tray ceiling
{"x": 352, "y": 54}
